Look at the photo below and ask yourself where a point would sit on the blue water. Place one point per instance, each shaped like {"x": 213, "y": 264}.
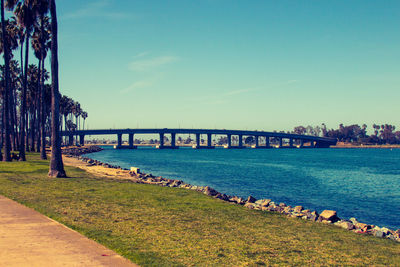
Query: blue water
{"x": 360, "y": 183}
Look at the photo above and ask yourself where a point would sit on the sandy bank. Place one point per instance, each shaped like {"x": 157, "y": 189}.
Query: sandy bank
{"x": 99, "y": 171}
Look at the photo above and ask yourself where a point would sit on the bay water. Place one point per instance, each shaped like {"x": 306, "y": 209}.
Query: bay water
{"x": 360, "y": 183}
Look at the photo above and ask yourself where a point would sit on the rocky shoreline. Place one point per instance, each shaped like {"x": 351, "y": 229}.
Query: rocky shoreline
{"x": 326, "y": 216}
{"x": 78, "y": 151}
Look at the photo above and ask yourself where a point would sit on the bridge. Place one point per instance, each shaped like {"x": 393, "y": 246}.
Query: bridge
{"x": 293, "y": 140}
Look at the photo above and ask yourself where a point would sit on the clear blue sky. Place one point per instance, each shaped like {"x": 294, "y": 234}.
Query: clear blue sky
{"x": 265, "y": 65}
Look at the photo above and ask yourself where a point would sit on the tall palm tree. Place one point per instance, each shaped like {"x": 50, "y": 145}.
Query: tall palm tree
{"x": 12, "y": 41}
{"x": 64, "y": 104}
{"x": 21, "y": 40}
{"x": 7, "y": 141}
{"x": 14, "y": 85}
{"x": 40, "y": 43}
{"x": 76, "y": 111}
{"x": 33, "y": 101}
{"x": 84, "y": 116}
{"x": 56, "y": 164}
{"x": 25, "y": 15}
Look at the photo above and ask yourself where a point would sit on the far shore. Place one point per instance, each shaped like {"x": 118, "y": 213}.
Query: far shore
{"x": 338, "y": 145}
{"x": 350, "y": 145}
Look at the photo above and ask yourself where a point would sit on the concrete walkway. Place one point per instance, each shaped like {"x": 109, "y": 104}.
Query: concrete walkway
{"x": 28, "y": 238}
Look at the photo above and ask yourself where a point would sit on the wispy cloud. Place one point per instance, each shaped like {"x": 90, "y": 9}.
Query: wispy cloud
{"x": 151, "y": 63}
{"x": 137, "y": 85}
{"x": 141, "y": 54}
{"x": 224, "y": 98}
{"x": 97, "y": 9}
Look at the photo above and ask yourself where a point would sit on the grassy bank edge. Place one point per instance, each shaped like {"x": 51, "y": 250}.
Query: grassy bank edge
{"x": 188, "y": 194}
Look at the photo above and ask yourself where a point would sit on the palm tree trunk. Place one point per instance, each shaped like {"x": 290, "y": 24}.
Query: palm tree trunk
{"x": 12, "y": 117}
{"x": 27, "y": 130}
{"x": 56, "y": 164}
{"x": 14, "y": 111}
{"x": 22, "y": 58}
{"x": 42, "y": 115}
{"x": 23, "y": 104}
{"x": 39, "y": 111}
{"x": 7, "y": 147}
{"x": 2, "y": 130}
{"x": 65, "y": 129}
{"x": 33, "y": 123}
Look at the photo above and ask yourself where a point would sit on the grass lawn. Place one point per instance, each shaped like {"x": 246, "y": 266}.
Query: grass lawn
{"x": 153, "y": 225}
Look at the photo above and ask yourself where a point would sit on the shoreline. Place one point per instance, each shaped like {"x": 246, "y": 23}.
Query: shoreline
{"x": 340, "y": 146}
{"x": 350, "y": 145}
{"x": 100, "y": 169}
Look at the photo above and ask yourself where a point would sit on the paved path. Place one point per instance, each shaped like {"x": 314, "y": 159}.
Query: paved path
{"x": 28, "y": 238}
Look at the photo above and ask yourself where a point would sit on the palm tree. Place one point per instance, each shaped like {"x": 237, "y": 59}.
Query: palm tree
{"x": 64, "y": 111}
{"x": 21, "y": 40}
{"x": 14, "y": 84}
{"x": 76, "y": 111}
{"x": 33, "y": 102}
{"x": 40, "y": 43}
{"x": 7, "y": 141}
{"x": 25, "y": 16}
{"x": 12, "y": 41}
{"x": 84, "y": 116}
{"x": 56, "y": 165}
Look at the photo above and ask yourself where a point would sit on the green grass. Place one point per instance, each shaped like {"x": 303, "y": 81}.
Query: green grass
{"x": 154, "y": 226}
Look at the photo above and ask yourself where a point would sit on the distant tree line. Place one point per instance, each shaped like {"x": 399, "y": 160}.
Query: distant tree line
{"x": 382, "y": 134}
{"x": 37, "y": 112}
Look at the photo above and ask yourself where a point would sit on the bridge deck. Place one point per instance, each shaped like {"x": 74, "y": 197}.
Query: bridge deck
{"x": 319, "y": 141}
{"x": 197, "y": 131}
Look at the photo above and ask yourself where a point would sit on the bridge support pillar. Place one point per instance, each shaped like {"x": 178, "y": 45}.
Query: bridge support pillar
{"x": 173, "y": 143}
{"x": 229, "y": 137}
{"x": 161, "y": 140}
{"x": 198, "y": 136}
{"x": 257, "y": 144}
{"x": 291, "y": 143}
{"x": 70, "y": 140}
{"x": 240, "y": 141}
{"x": 82, "y": 139}
{"x": 119, "y": 140}
{"x": 209, "y": 141}
{"x": 280, "y": 142}
{"x": 267, "y": 142}
{"x": 131, "y": 142}
{"x": 301, "y": 143}
{"x": 312, "y": 144}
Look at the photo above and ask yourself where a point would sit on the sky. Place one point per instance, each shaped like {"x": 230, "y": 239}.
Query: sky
{"x": 255, "y": 65}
